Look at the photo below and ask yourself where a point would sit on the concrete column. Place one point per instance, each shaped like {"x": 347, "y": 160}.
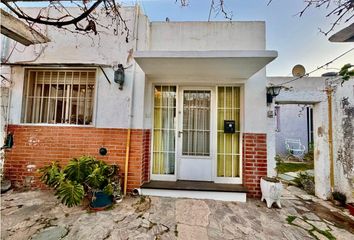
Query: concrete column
{"x": 321, "y": 151}
{"x": 271, "y": 143}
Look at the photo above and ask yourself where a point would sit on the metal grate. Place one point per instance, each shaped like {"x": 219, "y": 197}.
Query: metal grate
{"x": 228, "y": 144}
{"x": 59, "y": 96}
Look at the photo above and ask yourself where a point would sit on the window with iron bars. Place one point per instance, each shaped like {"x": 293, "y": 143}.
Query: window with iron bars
{"x": 59, "y": 96}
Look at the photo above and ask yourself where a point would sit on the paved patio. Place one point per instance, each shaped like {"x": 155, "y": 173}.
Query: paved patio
{"x": 38, "y": 215}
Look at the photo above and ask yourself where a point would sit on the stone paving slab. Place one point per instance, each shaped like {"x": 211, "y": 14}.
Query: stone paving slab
{"x": 39, "y": 215}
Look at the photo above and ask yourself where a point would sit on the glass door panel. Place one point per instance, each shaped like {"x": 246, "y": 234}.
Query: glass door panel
{"x": 228, "y": 144}
{"x": 196, "y": 123}
{"x": 164, "y": 145}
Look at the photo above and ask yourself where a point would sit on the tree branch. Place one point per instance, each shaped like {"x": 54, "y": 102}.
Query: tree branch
{"x": 59, "y": 24}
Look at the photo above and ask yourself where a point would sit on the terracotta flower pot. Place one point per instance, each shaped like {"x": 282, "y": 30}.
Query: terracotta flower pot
{"x": 350, "y": 207}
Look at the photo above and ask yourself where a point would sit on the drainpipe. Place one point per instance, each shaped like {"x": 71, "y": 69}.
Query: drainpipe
{"x": 329, "y": 92}
{"x": 127, "y": 150}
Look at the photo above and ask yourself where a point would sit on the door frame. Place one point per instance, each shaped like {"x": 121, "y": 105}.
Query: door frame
{"x": 232, "y": 180}
{"x": 212, "y": 136}
{"x": 213, "y": 130}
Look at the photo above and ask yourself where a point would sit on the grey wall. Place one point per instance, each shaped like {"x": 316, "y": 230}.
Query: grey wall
{"x": 293, "y": 124}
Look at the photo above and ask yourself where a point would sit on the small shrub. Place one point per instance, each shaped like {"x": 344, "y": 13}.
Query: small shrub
{"x": 309, "y": 156}
{"x": 306, "y": 182}
{"x": 79, "y": 178}
{"x": 340, "y": 197}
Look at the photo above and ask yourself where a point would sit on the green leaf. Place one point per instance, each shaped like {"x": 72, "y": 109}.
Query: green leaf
{"x": 78, "y": 169}
{"x": 108, "y": 189}
{"x": 51, "y": 174}
{"x": 97, "y": 179}
{"x": 70, "y": 193}
{"x": 346, "y": 72}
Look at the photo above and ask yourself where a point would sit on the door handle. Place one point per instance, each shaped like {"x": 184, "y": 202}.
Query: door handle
{"x": 179, "y": 134}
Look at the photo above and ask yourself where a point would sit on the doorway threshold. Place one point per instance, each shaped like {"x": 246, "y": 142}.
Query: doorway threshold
{"x": 195, "y": 189}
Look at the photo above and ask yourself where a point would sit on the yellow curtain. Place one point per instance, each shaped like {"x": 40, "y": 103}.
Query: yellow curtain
{"x": 228, "y": 145}
{"x": 163, "y": 161}
{"x": 157, "y": 145}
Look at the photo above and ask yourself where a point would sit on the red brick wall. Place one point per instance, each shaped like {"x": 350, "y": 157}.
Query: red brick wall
{"x": 39, "y": 145}
{"x": 254, "y": 162}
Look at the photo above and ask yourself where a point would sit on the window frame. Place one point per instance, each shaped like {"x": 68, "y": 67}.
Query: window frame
{"x": 55, "y": 68}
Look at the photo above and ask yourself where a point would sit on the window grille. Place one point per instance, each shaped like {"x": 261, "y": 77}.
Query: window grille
{"x": 228, "y": 145}
{"x": 54, "y": 96}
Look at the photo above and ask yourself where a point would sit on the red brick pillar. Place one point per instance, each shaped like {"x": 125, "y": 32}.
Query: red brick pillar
{"x": 254, "y": 162}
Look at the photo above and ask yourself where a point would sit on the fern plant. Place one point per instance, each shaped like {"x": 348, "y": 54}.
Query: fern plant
{"x": 78, "y": 178}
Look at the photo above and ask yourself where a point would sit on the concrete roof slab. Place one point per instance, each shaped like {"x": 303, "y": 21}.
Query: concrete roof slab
{"x": 204, "y": 64}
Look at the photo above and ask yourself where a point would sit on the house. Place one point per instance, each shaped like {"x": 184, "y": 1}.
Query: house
{"x": 189, "y": 120}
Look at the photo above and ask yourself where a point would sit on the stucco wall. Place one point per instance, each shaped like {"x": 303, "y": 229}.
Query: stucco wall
{"x": 194, "y": 36}
{"x": 343, "y": 138}
{"x": 112, "y": 106}
{"x": 310, "y": 90}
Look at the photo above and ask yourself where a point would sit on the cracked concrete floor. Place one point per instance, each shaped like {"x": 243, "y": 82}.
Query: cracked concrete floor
{"x": 38, "y": 215}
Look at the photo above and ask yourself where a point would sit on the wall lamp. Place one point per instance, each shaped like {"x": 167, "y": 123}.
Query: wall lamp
{"x": 272, "y": 92}
{"x": 119, "y": 76}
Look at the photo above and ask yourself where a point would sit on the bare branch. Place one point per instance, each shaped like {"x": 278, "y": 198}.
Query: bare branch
{"x": 53, "y": 23}
{"x": 340, "y": 11}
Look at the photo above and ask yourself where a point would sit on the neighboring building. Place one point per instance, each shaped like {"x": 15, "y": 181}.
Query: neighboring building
{"x": 294, "y": 117}
{"x": 182, "y": 81}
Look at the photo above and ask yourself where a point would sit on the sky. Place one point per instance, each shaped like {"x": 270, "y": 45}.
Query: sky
{"x": 297, "y": 39}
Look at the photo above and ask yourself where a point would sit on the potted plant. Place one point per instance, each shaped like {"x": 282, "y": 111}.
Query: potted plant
{"x": 83, "y": 177}
{"x": 271, "y": 189}
{"x": 339, "y": 199}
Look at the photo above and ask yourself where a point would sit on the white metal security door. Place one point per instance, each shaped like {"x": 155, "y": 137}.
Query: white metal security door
{"x": 195, "y": 134}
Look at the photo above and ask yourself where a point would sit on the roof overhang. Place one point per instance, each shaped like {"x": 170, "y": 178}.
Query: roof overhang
{"x": 203, "y": 64}
{"x": 344, "y": 35}
{"x": 19, "y": 31}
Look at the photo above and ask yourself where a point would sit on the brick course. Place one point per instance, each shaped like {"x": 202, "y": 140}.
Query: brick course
{"x": 40, "y": 145}
{"x": 254, "y": 162}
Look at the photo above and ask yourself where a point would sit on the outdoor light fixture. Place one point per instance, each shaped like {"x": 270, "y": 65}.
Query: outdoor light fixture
{"x": 272, "y": 92}
{"x": 119, "y": 76}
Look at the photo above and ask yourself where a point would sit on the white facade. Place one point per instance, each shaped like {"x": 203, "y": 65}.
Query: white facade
{"x": 191, "y": 56}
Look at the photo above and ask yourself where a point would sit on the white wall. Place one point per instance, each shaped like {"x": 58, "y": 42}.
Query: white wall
{"x": 343, "y": 138}
{"x": 310, "y": 90}
{"x": 194, "y": 36}
{"x": 112, "y": 104}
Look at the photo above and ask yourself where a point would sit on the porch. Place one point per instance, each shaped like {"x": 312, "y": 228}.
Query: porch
{"x": 195, "y": 189}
